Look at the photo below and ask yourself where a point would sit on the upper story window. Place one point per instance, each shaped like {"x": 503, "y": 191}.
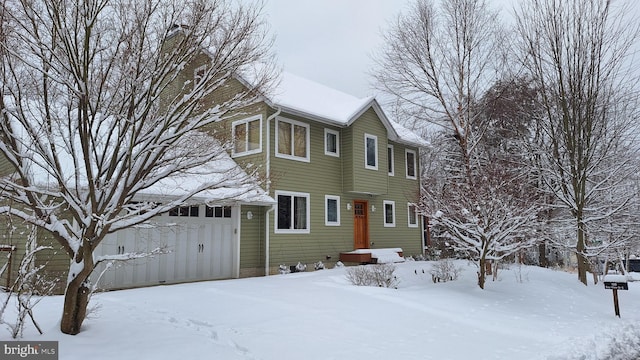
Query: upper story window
{"x": 410, "y": 156}
{"x": 247, "y": 136}
{"x": 331, "y": 142}
{"x": 293, "y": 212}
{"x": 412, "y": 215}
{"x": 370, "y": 152}
{"x": 389, "y": 213}
{"x": 292, "y": 140}
{"x": 390, "y": 160}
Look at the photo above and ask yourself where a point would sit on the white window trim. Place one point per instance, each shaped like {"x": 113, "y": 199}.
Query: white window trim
{"x": 233, "y": 133}
{"x": 409, "y": 224}
{"x": 393, "y": 212}
{"x": 393, "y": 161}
{"x": 293, "y": 231}
{"x": 326, "y": 210}
{"x": 337, "y": 134}
{"x": 406, "y": 164}
{"x": 307, "y": 140}
{"x": 366, "y": 163}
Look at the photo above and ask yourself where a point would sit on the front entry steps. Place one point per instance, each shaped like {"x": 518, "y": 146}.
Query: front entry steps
{"x": 372, "y": 256}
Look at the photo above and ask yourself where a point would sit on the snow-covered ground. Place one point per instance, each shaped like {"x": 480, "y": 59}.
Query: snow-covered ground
{"x": 528, "y": 313}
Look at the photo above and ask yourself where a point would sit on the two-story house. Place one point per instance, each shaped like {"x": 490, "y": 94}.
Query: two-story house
{"x": 341, "y": 176}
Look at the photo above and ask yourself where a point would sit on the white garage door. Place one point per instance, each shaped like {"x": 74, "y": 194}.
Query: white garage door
{"x": 200, "y": 241}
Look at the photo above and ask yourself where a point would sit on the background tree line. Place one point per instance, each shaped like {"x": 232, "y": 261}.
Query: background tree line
{"x": 532, "y": 126}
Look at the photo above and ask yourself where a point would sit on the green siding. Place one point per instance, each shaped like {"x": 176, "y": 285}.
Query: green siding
{"x": 402, "y": 191}
{"x": 5, "y": 167}
{"x": 252, "y": 243}
{"x": 362, "y": 179}
{"x": 347, "y": 178}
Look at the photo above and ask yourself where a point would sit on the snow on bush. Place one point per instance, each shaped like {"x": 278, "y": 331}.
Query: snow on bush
{"x": 444, "y": 270}
{"x": 319, "y": 265}
{"x": 380, "y": 275}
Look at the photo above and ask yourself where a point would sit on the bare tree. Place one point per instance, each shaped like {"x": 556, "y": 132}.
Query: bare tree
{"x": 578, "y": 52}
{"x": 96, "y": 109}
{"x": 439, "y": 64}
{"x": 492, "y": 215}
{"x": 438, "y": 61}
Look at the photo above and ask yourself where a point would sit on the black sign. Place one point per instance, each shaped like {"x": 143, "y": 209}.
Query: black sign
{"x": 616, "y": 285}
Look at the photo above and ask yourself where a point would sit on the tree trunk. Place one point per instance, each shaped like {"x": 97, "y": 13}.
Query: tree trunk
{"x": 76, "y": 296}
{"x": 482, "y": 273}
{"x": 583, "y": 264}
{"x": 76, "y": 300}
{"x": 542, "y": 255}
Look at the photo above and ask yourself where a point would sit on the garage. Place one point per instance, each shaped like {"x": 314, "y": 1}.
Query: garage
{"x": 200, "y": 240}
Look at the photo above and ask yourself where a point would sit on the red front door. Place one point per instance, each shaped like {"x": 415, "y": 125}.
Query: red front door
{"x": 360, "y": 225}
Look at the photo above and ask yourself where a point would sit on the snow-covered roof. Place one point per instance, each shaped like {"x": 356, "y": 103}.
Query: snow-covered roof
{"x": 299, "y": 96}
{"x": 218, "y": 180}
{"x": 309, "y": 97}
{"x": 232, "y": 182}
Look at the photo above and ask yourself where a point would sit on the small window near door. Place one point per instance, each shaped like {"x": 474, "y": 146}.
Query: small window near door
{"x": 389, "y": 213}
{"x": 331, "y": 142}
{"x": 412, "y": 215}
{"x": 332, "y": 210}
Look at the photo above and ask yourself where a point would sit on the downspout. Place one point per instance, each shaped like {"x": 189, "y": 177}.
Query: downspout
{"x": 268, "y": 189}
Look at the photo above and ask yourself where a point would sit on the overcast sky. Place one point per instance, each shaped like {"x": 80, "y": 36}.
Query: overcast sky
{"x": 330, "y": 41}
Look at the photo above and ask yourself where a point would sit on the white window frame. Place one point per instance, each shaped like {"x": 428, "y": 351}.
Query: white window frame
{"x": 393, "y": 213}
{"x": 366, "y": 153}
{"x": 392, "y": 159}
{"x": 337, "y": 134}
{"x": 233, "y": 136}
{"x": 415, "y": 212}
{"x": 326, "y": 210}
{"x": 293, "y": 195}
{"x": 406, "y": 163}
{"x": 307, "y": 140}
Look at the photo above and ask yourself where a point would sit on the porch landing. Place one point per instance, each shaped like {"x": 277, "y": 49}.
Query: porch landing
{"x": 372, "y": 256}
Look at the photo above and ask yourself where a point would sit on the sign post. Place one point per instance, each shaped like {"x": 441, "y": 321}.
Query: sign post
{"x": 615, "y": 283}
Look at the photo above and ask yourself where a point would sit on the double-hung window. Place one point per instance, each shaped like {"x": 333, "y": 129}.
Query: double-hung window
{"x": 410, "y": 156}
{"x": 331, "y": 142}
{"x": 389, "y": 213}
{"x": 292, "y": 140}
{"x": 370, "y": 152}
{"x": 247, "y": 136}
{"x": 332, "y": 210}
{"x": 412, "y": 215}
{"x": 293, "y": 212}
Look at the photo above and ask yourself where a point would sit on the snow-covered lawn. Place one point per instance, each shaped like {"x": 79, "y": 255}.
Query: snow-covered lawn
{"x": 528, "y": 313}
